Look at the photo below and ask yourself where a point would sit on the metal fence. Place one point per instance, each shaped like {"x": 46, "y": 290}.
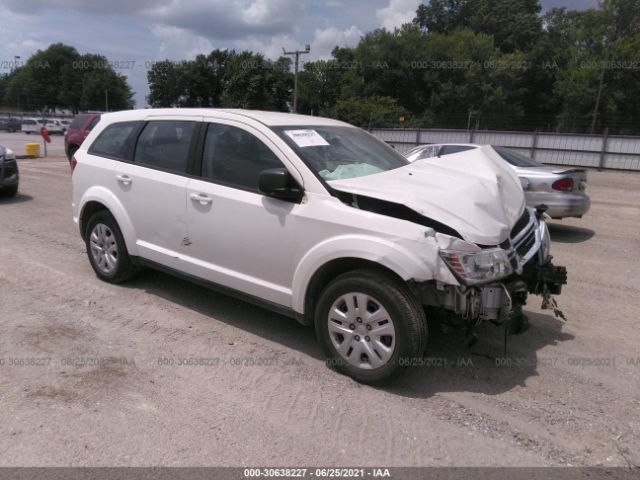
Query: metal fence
{"x": 596, "y": 151}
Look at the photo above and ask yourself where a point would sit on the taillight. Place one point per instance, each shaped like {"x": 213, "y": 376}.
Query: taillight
{"x": 73, "y": 163}
{"x": 564, "y": 184}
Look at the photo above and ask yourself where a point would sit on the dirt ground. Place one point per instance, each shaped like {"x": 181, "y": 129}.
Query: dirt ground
{"x": 94, "y": 374}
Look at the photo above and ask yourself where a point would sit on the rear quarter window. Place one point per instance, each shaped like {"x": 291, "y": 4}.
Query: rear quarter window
{"x": 116, "y": 140}
{"x": 78, "y": 122}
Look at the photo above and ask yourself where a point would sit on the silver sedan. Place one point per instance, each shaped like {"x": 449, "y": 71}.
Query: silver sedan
{"x": 561, "y": 189}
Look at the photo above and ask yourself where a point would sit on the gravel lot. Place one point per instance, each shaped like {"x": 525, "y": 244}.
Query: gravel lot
{"x": 86, "y": 376}
{"x": 15, "y": 141}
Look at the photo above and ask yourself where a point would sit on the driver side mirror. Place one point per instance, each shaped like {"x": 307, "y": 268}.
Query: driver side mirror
{"x": 278, "y": 183}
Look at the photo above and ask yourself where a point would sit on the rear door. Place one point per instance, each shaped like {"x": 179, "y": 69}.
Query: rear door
{"x": 152, "y": 187}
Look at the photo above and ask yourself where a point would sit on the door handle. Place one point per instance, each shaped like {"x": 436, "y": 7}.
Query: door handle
{"x": 124, "y": 179}
{"x": 201, "y": 198}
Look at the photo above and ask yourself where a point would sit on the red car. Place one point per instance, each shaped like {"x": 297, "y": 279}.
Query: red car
{"x": 78, "y": 131}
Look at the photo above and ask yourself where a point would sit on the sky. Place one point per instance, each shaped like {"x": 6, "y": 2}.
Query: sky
{"x": 135, "y": 33}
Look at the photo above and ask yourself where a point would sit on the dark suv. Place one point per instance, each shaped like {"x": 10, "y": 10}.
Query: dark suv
{"x": 78, "y": 131}
{"x": 9, "y": 176}
{"x": 10, "y": 124}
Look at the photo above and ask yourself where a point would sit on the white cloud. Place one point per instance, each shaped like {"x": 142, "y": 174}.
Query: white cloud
{"x": 213, "y": 19}
{"x": 326, "y": 40}
{"x": 226, "y": 19}
{"x": 176, "y": 42}
{"x": 397, "y": 13}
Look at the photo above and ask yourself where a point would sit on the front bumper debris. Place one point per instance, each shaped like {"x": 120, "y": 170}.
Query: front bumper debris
{"x": 544, "y": 278}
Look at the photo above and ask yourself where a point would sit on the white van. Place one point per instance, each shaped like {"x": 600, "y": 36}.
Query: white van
{"x": 31, "y": 125}
{"x": 316, "y": 219}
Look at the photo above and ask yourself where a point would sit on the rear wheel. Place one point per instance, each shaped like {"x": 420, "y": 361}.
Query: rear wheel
{"x": 370, "y": 325}
{"x": 72, "y": 151}
{"x": 106, "y": 249}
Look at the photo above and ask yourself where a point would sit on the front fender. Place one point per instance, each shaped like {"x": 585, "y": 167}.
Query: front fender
{"x": 390, "y": 253}
{"x": 110, "y": 201}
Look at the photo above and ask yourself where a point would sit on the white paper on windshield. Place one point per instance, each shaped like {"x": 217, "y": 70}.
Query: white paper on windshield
{"x": 306, "y": 138}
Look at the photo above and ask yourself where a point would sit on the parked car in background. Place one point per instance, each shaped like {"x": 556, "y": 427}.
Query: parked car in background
{"x": 316, "y": 219}
{"x": 78, "y": 130}
{"x": 55, "y": 126}
{"x": 31, "y": 125}
{"x": 65, "y": 124}
{"x": 9, "y": 176}
{"x": 10, "y": 124}
{"x": 561, "y": 189}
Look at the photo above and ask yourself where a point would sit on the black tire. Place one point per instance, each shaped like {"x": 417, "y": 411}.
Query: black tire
{"x": 9, "y": 191}
{"x": 404, "y": 309}
{"x": 124, "y": 269}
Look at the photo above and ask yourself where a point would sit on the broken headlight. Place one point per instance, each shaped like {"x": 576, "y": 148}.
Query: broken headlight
{"x": 478, "y": 267}
{"x": 545, "y": 241}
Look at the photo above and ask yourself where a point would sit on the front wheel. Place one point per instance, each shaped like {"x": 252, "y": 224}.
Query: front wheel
{"x": 370, "y": 326}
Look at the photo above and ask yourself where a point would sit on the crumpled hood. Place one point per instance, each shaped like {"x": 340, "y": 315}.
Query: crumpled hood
{"x": 474, "y": 192}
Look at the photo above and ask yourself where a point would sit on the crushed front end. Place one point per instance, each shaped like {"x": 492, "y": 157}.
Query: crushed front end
{"x": 495, "y": 281}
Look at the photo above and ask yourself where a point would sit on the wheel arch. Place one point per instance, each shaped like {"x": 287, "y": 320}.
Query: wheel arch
{"x": 331, "y": 270}
{"x": 333, "y": 258}
{"x": 99, "y": 198}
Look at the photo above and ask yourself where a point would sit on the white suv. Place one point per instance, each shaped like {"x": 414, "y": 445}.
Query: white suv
{"x": 316, "y": 219}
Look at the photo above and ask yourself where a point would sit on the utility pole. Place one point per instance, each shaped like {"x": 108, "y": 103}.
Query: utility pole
{"x": 16, "y": 58}
{"x": 600, "y": 82}
{"x": 605, "y": 46}
{"x": 106, "y": 100}
{"x": 296, "y": 54}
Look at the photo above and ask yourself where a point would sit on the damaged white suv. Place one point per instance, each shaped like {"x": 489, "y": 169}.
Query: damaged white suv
{"x": 316, "y": 219}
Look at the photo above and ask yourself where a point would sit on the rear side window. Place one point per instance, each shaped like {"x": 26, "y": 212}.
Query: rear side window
{"x": 78, "y": 122}
{"x": 165, "y": 144}
{"x": 115, "y": 140}
{"x": 446, "y": 150}
{"x": 235, "y": 157}
{"x": 29, "y": 122}
{"x": 93, "y": 123}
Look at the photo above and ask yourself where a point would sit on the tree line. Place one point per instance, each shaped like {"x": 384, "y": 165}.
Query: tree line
{"x": 59, "y": 77}
{"x": 491, "y": 64}
{"x": 488, "y": 64}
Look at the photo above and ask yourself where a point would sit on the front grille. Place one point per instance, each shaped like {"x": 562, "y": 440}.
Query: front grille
{"x": 526, "y": 244}
{"x": 522, "y": 222}
{"x": 522, "y": 240}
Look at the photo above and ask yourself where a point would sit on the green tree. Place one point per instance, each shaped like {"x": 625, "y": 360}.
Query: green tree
{"x": 59, "y": 77}
{"x": 444, "y": 16}
{"x": 369, "y": 111}
{"x": 165, "y": 84}
{"x": 221, "y": 79}
{"x": 514, "y": 24}
{"x": 251, "y": 81}
{"x": 101, "y": 87}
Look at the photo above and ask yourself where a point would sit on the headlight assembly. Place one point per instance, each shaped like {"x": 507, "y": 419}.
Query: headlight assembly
{"x": 478, "y": 267}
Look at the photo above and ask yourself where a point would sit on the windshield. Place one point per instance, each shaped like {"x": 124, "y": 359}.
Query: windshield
{"x": 516, "y": 159}
{"x": 337, "y": 153}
